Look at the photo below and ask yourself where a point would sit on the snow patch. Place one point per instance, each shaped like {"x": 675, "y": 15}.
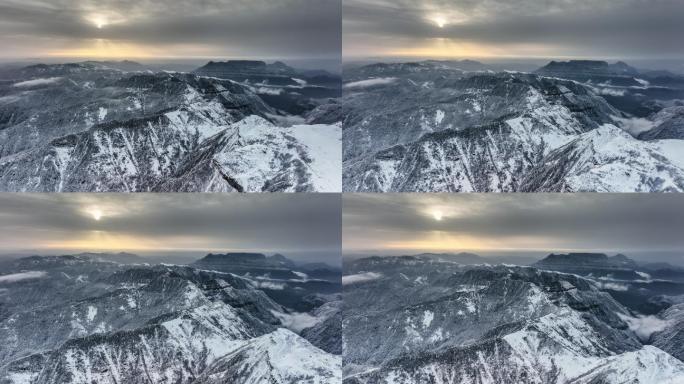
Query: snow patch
{"x": 439, "y": 116}
{"x": 428, "y": 316}
{"x": 92, "y": 312}
{"x": 102, "y": 113}
{"x": 673, "y": 149}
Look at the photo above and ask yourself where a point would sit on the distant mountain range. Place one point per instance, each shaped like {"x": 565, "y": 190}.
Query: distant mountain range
{"x": 646, "y": 288}
{"x": 300, "y": 287}
{"x": 569, "y": 127}
{"x": 78, "y": 319}
{"x": 421, "y": 320}
{"x": 90, "y": 127}
{"x": 279, "y": 85}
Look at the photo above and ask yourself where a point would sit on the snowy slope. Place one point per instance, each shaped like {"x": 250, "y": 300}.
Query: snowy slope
{"x": 647, "y": 365}
{"x": 300, "y": 158}
{"x": 84, "y": 321}
{"x": 423, "y": 321}
{"x": 610, "y": 160}
{"x": 280, "y": 357}
{"x": 504, "y": 132}
{"x": 114, "y": 131}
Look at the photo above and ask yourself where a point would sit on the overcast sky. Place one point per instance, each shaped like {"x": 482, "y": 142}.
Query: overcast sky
{"x": 514, "y": 224}
{"x": 516, "y": 28}
{"x": 133, "y": 29}
{"x": 305, "y": 226}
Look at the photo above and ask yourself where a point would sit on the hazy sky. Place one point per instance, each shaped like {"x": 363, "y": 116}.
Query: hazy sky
{"x": 297, "y": 225}
{"x": 516, "y": 28}
{"x": 514, "y": 223}
{"x": 133, "y": 29}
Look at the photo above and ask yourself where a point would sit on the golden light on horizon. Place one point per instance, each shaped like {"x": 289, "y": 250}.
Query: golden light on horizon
{"x": 439, "y": 241}
{"x": 96, "y": 240}
{"x": 104, "y": 241}
{"x": 451, "y": 48}
{"x": 448, "y": 241}
{"x": 105, "y": 49}
{"x": 443, "y": 48}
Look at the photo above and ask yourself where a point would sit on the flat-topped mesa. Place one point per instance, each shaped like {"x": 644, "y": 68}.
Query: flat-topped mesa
{"x": 237, "y": 64}
{"x": 594, "y": 67}
{"x": 244, "y": 67}
{"x": 277, "y": 266}
{"x": 233, "y": 256}
{"x": 247, "y": 258}
{"x": 588, "y": 259}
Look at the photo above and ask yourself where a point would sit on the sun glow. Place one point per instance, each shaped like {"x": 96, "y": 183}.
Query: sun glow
{"x": 102, "y": 19}
{"x": 440, "y": 21}
{"x": 96, "y": 213}
{"x": 438, "y": 215}
{"x": 98, "y": 20}
{"x": 104, "y": 48}
{"x": 105, "y": 241}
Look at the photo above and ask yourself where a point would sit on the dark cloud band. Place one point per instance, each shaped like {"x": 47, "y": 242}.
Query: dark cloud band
{"x": 300, "y": 223}
{"x": 218, "y": 28}
{"x": 627, "y": 29}
{"x": 628, "y": 222}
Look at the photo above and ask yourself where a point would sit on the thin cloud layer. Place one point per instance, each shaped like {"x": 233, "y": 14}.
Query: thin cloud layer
{"x": 527, "y": 28}
{"x": 21, "y": 276}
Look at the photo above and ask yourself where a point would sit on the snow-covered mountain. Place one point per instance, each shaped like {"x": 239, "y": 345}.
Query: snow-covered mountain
{"x": 670, "y": 335}
{"x": 282, "y": 87}
{"x": 312, "y": 296}
{"x": 418, "y": 320}
{"x": 88, "y": 127}
{"x": 431, "y": 128}
{"x": 75, "y": 319}
{"x": 645, "y": 289}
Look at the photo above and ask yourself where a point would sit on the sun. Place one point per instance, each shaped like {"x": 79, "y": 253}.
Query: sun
{"x": 96, "y": 213}
{"x": 100, "y": 21}
{"x": 104, "y": 19}
{"x": 440, "y": 21}
{"x": 437, "y": 215}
